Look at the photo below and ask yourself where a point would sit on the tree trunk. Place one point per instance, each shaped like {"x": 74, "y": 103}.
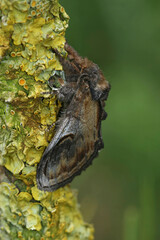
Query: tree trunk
{"x": 28, "y": 32}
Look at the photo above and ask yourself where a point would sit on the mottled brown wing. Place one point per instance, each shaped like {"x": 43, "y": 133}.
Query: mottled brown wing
{"x": 72, "y": 149}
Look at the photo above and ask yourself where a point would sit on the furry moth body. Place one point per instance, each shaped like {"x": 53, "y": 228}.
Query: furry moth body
{"x": 77, "y": 139}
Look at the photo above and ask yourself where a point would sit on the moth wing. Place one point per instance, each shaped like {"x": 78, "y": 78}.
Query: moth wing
{"x": 71, "y": 151}
{"x": 48, "y": 165}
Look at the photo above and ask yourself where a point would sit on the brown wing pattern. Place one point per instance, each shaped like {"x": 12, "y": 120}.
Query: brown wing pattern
{"x": 72, "y": 149}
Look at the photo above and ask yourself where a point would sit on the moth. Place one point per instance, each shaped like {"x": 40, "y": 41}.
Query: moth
{"x": 77, "y": 138}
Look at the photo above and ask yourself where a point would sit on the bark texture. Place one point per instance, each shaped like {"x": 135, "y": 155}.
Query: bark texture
{"x": 28, "y": 32}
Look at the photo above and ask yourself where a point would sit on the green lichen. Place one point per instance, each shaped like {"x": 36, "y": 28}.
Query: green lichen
{"x": 29, "y": 30}
{"x": 27, "y": 62}
{"x": 41, "y": 215}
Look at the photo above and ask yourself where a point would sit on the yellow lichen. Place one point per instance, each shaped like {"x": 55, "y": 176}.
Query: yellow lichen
{"x": 29, "y": 214}
{"x": 29, "y": 31}
{"x": 13, "y": 163}
{"x": 37, "y": 194}
{"x": 4, "y": 43}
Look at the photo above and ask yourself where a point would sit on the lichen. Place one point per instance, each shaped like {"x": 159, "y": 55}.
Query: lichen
{"x": 27, "y": 62}
{"x": 29, "y": 31}
{"x": 41, "y": 215}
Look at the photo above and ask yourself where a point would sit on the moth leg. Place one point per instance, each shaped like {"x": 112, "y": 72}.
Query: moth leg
{"x": 50, "y": 127}
{"x": 66, "y": 92}
{"x": 53, "y": 92}
{"x": 47, "y": 93}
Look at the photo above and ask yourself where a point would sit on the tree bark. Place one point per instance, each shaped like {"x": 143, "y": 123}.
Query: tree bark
{"x": 28, "y": 32}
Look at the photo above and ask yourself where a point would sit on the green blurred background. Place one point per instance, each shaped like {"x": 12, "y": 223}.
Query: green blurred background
{"x": 120, "y": 192}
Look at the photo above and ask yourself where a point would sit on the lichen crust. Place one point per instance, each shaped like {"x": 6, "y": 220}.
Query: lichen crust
{"x": 29, "y": 31}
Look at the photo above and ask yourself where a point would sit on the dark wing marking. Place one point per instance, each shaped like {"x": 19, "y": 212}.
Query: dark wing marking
{"x": 48, "y": 167}
{"x": 72, "y": 149}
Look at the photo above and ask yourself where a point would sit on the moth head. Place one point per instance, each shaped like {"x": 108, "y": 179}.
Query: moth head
{"x": 99, "y": 87}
